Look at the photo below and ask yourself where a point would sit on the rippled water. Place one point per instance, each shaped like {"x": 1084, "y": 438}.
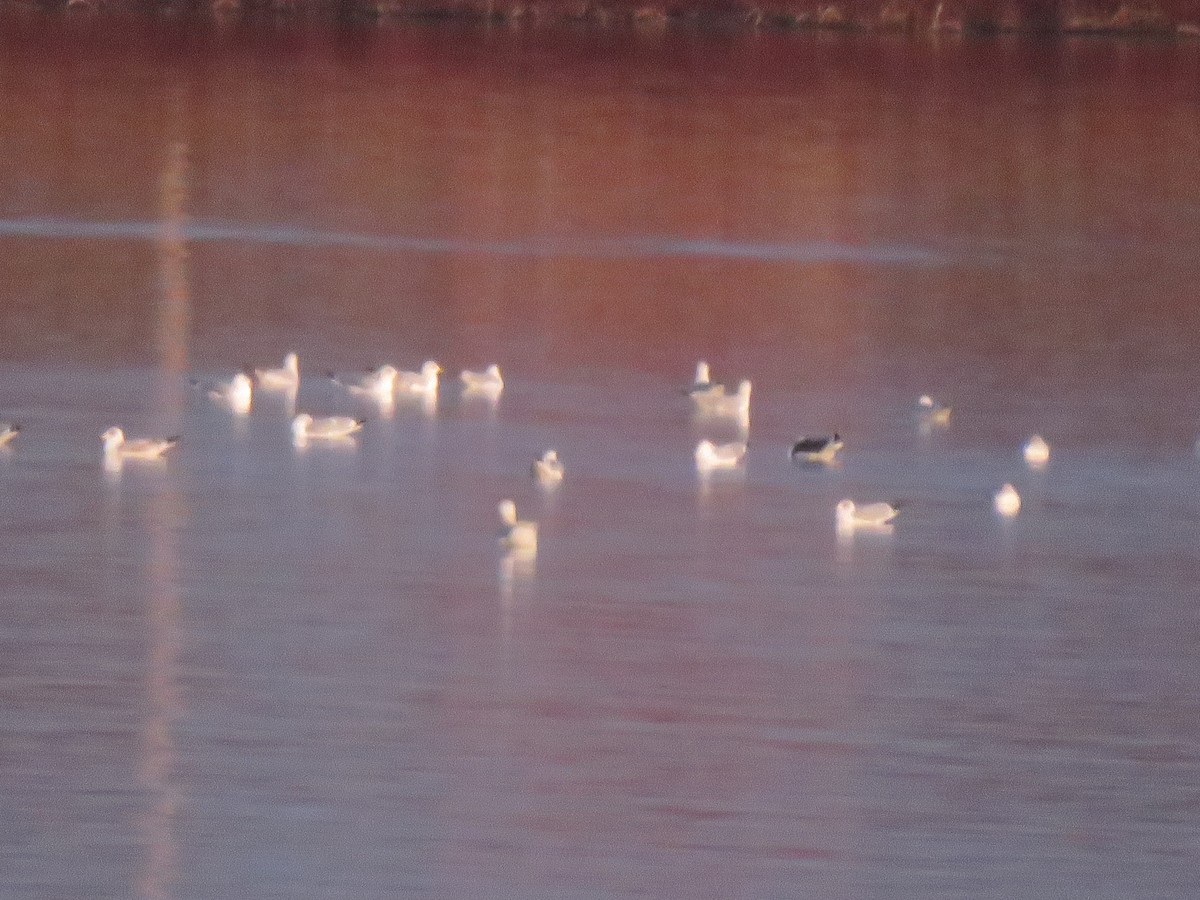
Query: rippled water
{"x": 257, "y": 671}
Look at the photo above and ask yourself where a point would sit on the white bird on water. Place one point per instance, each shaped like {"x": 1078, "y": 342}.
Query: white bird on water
{"x": 710, "y": 456}
{"x": 1037, "y": 452}
{"x": 877, "y": 516}
{"x": 326, "y": 428}
{"x": 488, "y": 382}
{"x": 717, "y": 403}
{"x": 8, "y": 431}
{"x": 516, "y": 533}
{"x": 237, "y": 392}
{"x": 285, "y": 378}
{"x": 1007, "y": 501}
{"x": 378, "y": 384}
{"x": 117, "y": 448}
{"x": 817, "y": 449}
{"x": 547, "y": 469}
{"x": 933, "y": 411}
{"x": 422, "y": 383}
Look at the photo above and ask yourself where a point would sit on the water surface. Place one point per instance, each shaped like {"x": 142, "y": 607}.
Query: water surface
{"x": 258, "y": 671}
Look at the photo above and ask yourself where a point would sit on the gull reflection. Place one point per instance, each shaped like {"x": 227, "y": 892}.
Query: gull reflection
{"x": 515, "y": 574}
{"x": 711, "y": 484}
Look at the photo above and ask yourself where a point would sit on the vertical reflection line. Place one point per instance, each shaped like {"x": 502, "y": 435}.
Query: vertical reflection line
{"x": 165, "y": 515}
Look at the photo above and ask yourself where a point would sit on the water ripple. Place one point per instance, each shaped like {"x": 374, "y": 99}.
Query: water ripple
{"x": 900, "y": 254}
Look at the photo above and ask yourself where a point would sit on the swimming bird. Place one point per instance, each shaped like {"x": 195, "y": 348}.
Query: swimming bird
{"x": 327, "y": 428}
{"x": 237, "y": 392}
{"x": 711, "y": 456}
{"x": 817, "y": 449}
{"x": 285, "y": 378}
{"x": 870, "y": 515}
{"x": 422, "y": 382}
{"x": 487, "y": 382}
{"x": 703, "y": 383}
{"x": 547, "y": 469}
{"x": 378, "y": 384}
{"x": 8, "y": 431}
{"x": 116, "y": 447}
{"x": 1037, "y": 452}
{"x": 515, "y": 532}
{"x": 1007, "y": 501}
{"x": 932, "y": 411}
{"x": 717, "y": 403}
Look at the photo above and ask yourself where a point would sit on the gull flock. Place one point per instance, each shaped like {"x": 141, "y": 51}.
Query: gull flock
{"x": 382, "y": 386}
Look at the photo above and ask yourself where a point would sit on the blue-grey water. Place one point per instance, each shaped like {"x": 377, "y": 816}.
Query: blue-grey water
{"x": 259, "y": 671}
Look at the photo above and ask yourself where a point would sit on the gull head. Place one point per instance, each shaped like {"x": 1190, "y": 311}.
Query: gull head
{"x": 113, "y": 438}
{"x": 550, "y": 456}
{"x": 702, "y": 373}
{"x": 300, "y": 426}
{"x": 493, "y": 371}
{"x": 430, "y": 369}
{"x": 291, "y": 362}
{"x": 387, "y": 371}
{"x": 845, "y": 512}
{"x": 508, "y": 512}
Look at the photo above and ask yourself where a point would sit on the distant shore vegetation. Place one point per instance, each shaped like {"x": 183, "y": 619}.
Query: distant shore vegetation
{"x": 1166, "y": 18}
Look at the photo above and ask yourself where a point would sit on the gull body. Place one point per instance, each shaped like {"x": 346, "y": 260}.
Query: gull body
{"x": 1007, "y": 501}
{"x": 8, "y": 431}
{"x": 514, "y": 532}
{"x": 327, "y": 428}
{"x": 117, "y": 447}
{"x": 868, "y": 515}
{"x": 547, "y": 469}
{"x": 933, "y": 411}
{"x": 424, "y": 382}
{"x": 716, "y": 402}
{"x": 817, "y": 449}
{"x": 711, "y": 456}
{"x": 284, "y": 378}
{"x": 489, "y": 381}
{"x": 1037, "y": 452}
{"x": 237, "y": 392}
{"x": 378, "y": 384}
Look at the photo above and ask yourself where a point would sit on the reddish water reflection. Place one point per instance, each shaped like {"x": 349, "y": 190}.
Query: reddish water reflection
{"x": 310, "y": 674}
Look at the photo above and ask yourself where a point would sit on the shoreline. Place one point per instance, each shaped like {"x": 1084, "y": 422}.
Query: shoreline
{"x": 1173, "y": 20}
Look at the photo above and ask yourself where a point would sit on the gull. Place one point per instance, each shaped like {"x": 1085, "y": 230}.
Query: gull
{"x": 876, "y": 516}
{"x": 237, "y": 392}
{"x": 378, "y": 384}
{"x": 547, "y": 469}
{"x": 1037, "y": 452}
{"x": 932, "y": 411}
{"x": 1007, "y": 501}
{"x": 327, "y": 428}
{"x": 117, "y": 448}
{"x": 817, "y": 449}
{"x": 486, "y": 382}
{"x": 716, "y": 402}
{"x": 702, "y": 383}
{"x": 711, "y": 456}
{"x": 515, "y": 533}
{"x": 8, "y": 431}
{"x": 285, "y": 378}
{"x": 422, "y": 382}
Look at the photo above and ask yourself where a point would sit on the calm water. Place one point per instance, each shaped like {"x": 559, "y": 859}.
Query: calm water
{"x": 260, "y": 672}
